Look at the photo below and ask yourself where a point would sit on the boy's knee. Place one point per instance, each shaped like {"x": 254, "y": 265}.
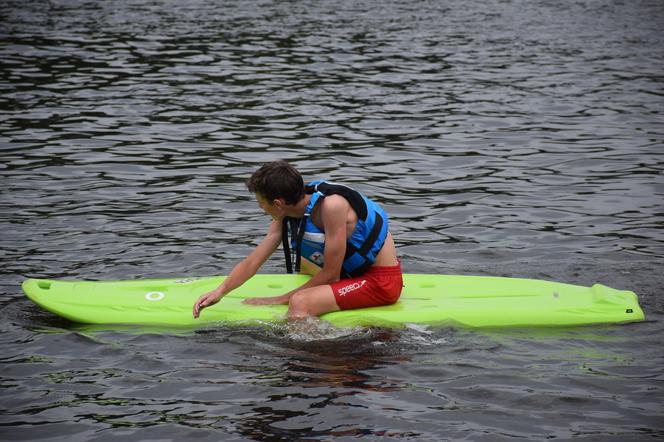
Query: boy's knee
{"x": 298, "y": 306}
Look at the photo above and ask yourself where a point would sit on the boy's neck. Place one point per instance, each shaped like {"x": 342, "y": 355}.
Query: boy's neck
{"x": 297, "y": 210}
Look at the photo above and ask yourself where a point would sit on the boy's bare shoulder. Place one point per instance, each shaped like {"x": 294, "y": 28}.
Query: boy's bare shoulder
{"x": 334, "y": 203}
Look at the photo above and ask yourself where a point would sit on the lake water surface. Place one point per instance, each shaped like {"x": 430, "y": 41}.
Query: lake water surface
{"x": 504, "y": 137}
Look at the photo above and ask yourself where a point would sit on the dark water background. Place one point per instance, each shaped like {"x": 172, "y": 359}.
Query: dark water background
{"x": 504, "y": 137}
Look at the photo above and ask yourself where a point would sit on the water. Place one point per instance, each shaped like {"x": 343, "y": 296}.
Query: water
{"x": 511, "y": 138}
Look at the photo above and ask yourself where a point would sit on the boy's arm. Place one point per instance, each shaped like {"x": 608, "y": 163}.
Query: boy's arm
{"x": 334, "y": 212}
{"x": 244, "y": 270}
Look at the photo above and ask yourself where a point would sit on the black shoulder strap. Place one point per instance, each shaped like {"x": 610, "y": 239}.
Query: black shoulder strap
{"x": 298, "y": 243}
{"x": 292, "y": 227}
{"x": 286, "y": 246}
{"x": 353, "y": 196}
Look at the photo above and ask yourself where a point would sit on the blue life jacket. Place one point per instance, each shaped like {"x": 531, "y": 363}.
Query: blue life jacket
{"x": 361, "y": 248}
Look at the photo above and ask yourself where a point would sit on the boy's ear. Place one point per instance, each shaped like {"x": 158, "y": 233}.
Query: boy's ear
{"x": 279, "y": 203}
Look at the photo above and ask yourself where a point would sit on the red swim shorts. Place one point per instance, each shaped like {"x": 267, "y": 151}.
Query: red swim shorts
{"x": 378, "y": 286}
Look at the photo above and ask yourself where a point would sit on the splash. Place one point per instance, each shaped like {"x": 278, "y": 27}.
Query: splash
{"x": 422, "y": 335}
{"x": 315, "y": 329}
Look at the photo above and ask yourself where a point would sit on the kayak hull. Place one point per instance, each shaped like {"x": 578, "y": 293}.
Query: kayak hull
{"x": 473, "y": 301}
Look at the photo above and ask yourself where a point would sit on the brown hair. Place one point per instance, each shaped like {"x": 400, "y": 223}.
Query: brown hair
{"x": 275, "y": 180}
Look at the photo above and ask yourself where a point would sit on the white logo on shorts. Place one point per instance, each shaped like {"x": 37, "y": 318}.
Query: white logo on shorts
{"x": 351, "y": 287}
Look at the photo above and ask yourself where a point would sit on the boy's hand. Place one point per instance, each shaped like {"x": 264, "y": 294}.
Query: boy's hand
{"x": 206, "y": 300}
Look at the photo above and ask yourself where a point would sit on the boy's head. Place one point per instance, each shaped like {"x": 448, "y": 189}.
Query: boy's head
{"x": 277, "y": 180}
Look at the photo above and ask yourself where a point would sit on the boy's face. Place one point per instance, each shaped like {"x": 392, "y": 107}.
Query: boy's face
{"x": 272, "y": 208}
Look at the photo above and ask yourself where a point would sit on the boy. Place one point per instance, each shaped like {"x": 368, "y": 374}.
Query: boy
{"x": 341, "y": 239}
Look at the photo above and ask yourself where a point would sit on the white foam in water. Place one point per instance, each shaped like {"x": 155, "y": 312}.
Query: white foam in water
{"x": 419, "y": 328}
{"x": 421, "y": 335}
{"x": 315, "y": 329}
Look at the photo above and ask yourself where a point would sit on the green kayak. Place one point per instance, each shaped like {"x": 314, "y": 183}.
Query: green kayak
{"x": 474, "y": 301}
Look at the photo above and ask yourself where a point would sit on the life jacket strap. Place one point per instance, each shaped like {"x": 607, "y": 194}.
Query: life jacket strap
{"x": 353, "y": 197}
{"x": 298, "y": 242}
{"x": 373, "y": 235}
{"x": 285, "y": 244}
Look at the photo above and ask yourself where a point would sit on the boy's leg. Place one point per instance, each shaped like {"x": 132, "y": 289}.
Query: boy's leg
{"x": 313, "y": 301}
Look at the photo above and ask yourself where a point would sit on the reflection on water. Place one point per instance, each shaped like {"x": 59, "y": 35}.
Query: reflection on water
{"x": 515, "y": 138}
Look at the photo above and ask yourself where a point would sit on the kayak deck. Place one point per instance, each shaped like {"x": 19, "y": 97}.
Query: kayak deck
{"x": 474, "y": 301}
